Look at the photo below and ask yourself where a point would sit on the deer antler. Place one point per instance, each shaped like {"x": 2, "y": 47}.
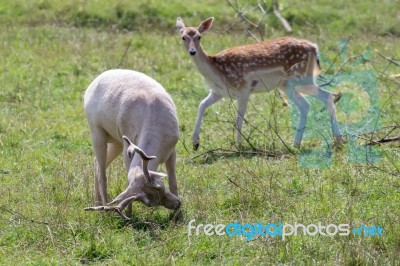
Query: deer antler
{"x": 118, "y": 209}
{"x": 133, "y": 148}
{"x": 145, "y": 158}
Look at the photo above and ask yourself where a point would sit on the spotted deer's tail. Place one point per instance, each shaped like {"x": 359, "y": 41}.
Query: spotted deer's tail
{"x": 317, "y": 66}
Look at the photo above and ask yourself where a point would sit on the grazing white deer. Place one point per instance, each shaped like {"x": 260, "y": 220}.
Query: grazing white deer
{"x": 237, "y": 72}
{"x": 124, "y": 105}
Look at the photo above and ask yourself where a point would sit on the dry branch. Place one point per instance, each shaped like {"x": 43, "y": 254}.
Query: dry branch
{"x": 240, "y": 14}
{"x": 384, "y": 140}
{"x": 125, "y": 53}
{"x": 283, "y": 21}
{"x": 389, "y": 59}
{"x": 22, "y": 216}
{"x": 339, "y": 70}
{"x": 226, "y": 152}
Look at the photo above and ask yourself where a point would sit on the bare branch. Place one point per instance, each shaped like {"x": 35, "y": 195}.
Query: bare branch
{"x": 341, "y": 51}
{"x": 384, "y": 140}
{"x": 252, "y": 35}
{"x": 226, "y": 152}
{"x": 242, "y": 16}
{"x": 261, "y": 8}
{"x": 283, "y": 21}
{"x": 233, "y": 182}
{"x": 125, "y": 52}
{"x": 340, "y": 69}
{"x": 389, "y": 59}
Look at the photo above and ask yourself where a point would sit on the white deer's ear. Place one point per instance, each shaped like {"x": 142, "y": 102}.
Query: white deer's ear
{"x": 155, "y": 175}
{"x": 179, "y": 23}
{"x": 143, "y": 198}
{"x": 206, "y": 25}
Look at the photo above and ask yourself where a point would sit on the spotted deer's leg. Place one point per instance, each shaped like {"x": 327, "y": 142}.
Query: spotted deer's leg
{"x": 209, "y": 100}
{"x": 303, "y": 106}
{"x": 327, "y": 98}
{"x": 242, "y": 107}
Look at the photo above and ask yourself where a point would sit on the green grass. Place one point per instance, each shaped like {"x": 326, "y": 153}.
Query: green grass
{"x": 50, "y": 52}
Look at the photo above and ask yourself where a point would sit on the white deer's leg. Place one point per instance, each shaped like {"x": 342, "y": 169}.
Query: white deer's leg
{"x": 327, "y": 98}
{"x": 97, "y": 196}
{"x": 99, "y": 139}
{"x": 209, "y": 100}
{"x": 170, "y": 165}
{"x": 113, "y": 150}
{"x": 242, "y": 107}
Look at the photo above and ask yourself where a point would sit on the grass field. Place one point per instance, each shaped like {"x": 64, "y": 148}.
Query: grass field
{"x": 51, "y": 50}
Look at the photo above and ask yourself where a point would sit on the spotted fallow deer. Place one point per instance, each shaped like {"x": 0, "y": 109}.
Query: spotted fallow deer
{"x": 288, "y": 63}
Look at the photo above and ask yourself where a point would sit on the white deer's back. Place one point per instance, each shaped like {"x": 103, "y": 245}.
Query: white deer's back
{"x": 128, "y": 102}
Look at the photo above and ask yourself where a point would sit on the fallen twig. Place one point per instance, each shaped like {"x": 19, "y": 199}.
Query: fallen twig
{"x": 383, "y": 140}
{"x": 23, "y": 216}
{"x": 221, "y": 151}
{"x": 233, "y": 182}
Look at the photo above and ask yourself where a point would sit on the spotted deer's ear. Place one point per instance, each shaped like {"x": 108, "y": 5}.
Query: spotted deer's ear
{"x": 179, "y": 24}
{"x": 206, "y": 25}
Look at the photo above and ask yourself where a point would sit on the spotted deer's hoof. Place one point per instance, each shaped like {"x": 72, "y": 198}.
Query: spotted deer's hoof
{"x": 296, "y": 144}
{"x": 337, "y": 97}
{"x": 339, "y": 141}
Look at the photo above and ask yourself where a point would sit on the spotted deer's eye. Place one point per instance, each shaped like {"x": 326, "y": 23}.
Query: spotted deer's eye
{"x": 183, "y": 38}
{"x": 199, "y": 38}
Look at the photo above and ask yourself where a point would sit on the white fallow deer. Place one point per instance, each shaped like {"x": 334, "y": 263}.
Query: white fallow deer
{"x": 125, "y": 106}
{"x": 288, "y": 63}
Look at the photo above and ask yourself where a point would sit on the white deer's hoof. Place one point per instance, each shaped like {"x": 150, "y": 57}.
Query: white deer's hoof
{"x": 196, "y": 143}
{"x": 196, "y": 146}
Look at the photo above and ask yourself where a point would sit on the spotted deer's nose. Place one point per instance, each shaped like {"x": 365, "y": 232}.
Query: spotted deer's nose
{"x": 192, "y": 51}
